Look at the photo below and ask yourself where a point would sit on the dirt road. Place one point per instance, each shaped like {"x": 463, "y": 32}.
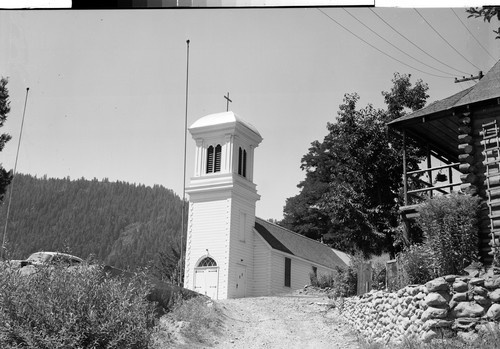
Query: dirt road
{"x": 283, "y": 322}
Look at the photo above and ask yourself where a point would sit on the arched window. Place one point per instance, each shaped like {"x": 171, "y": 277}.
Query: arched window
{"x": 210, "y": 159}
{"x": 218, "y": 151}
{"x": 242, "y": 162}
{"x": 207, "y": 262}
{"x": 214, "y": 158}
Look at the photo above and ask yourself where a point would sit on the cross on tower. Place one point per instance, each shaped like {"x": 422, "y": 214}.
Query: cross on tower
{"x": 228, "y": 100}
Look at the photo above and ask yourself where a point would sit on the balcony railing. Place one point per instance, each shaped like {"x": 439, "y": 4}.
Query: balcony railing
{"x": 429, "y": 187}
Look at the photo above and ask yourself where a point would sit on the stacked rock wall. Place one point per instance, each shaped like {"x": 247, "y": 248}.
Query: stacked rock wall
{"x": 445, "y": 306}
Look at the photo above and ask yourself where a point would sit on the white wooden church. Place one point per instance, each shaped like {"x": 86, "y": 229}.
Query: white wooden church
{"x": 230, "y": 253}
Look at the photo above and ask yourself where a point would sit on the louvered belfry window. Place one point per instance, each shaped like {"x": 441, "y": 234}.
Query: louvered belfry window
{"x": 218, "y": 151}
{"x": 214, "y": 158}
{"x": 210, "y": 159}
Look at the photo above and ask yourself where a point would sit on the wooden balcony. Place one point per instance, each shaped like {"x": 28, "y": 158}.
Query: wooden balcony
{"x": 416, "y": 189}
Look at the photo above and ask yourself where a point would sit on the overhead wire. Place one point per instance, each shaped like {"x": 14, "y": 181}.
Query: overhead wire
{"x": 415, "y": 45}
{"x": 397, "y": 48}
{"x": 445, "y": 39}
{"x": 484, "y": 48}
{"x": 374, "y": 47}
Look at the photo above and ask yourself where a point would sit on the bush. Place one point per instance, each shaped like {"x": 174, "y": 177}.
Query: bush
{"x": 76, "y": 307}
{"x": 342, "y": 281}
{"x": 449, "y": 224}
{"x": 201, "y": 316}
{"x": 414, "y": 266}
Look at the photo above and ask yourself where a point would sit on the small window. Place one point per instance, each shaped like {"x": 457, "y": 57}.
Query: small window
{"x": 210, "y": 159}
{"x": 240, "y": 159}
{"x": 207, "y": 262}
{"x": 218, "y": 151}
{"x": 242, "y": 162}
{"x": 214, "y": 158}
{"x": 288, "y": 271}
{"x": 315, "y": 271}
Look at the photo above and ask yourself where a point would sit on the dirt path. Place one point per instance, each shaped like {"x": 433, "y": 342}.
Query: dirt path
{"x": 283, "y": 322}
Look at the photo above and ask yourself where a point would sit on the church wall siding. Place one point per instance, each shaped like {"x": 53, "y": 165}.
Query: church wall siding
{"x": 208, "y": 231}
{"x": 262, "y": 267}
{"x": 300, "y": 272}
{"x": 241, "y": 245}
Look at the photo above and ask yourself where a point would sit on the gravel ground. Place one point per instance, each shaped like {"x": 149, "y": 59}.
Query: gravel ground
{"x": 291, "y": 321}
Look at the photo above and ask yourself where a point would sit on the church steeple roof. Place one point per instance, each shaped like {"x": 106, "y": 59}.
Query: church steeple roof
{"x": 219, "y": 119}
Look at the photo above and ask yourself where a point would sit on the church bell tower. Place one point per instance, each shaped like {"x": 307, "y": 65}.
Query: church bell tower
{"x": 222, "y": 196}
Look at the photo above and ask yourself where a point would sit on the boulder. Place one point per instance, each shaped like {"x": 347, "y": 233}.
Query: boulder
{"x": 476, "y": 282}
{"x": 437, "y": 323}
{"x": 493, "y": 282}
{"x": 450, "y": 278}
{"x": 495, "y": 295}
{"x": 459, "y": 297}
{"x": 479, "y": 290}
{"x": 460, "y": 286}
{"x": 493, "y": 312}
{"x": 467, "y": 309}
{"x": 466, "y": 324}
{"x": 434, "y": 313}
{"x": 438, "y": 284}
{"x": 437, "y": 299}
{"x": 484, "y": 301}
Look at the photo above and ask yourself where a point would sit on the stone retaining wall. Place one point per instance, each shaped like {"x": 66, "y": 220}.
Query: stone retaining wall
{"x": 446, "y": 306}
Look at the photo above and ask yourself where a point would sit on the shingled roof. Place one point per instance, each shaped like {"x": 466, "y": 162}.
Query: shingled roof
{"x": 487, "y": 88}
{"x": 287, "y": 241}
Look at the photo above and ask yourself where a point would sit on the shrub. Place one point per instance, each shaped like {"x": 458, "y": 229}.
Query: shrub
{"x": 322, "y": 280}
{"x": 449, "y": 224}
{"x": 76, "y": 307}
{"x": 414, "y": 266}
{"x": 342, "y": 282}
{"x": 202, "y": 319}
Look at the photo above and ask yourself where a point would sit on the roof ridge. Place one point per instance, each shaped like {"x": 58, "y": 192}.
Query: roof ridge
{"x": 290, "y": 231}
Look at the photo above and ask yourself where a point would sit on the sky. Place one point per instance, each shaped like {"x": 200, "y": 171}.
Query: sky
{"x": 107, "y": 88}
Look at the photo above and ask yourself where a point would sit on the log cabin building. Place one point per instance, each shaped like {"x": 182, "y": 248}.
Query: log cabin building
{"x": 463, "y": 133}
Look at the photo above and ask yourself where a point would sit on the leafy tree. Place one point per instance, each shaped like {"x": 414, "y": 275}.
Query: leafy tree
{"x": 349, "y": 198}
{"x": 487, "y": 13}
{"x": 5, "y": 177}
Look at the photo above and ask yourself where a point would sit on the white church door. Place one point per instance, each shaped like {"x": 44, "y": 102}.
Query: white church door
{"x": 206, "y": 277}
{"x": 241, "y": 281}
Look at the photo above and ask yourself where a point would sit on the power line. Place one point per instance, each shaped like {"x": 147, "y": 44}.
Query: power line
{"x": 397, "y": 48}
{"x": 384, "y": 53}
{"x": 472, "y": 34}
{"x": 415, "y": 45}
{"x": 445, "y": 39}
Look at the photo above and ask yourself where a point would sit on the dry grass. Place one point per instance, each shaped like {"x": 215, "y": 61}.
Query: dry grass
{"x": 190, "y": 324}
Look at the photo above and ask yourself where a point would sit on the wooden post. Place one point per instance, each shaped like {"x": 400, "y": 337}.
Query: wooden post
{"x": 405, "y": 179}
{"x": 450, "y": 177}
{"x": 429, "y": 173}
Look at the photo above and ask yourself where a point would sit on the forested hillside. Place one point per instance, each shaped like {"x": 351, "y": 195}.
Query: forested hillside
{"x": 122, "y": 224}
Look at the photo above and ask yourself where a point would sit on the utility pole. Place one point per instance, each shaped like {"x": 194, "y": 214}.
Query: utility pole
{"x": 2, "y": 252}
{"x": 477, "y": 77}
{"x": 183, "y": 211}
